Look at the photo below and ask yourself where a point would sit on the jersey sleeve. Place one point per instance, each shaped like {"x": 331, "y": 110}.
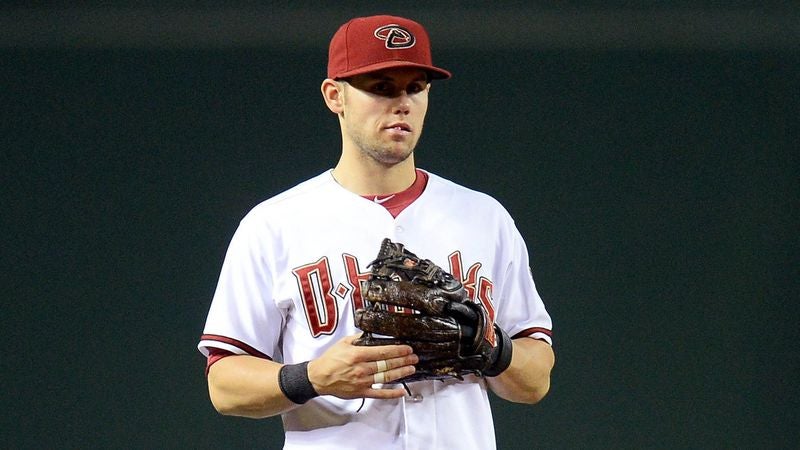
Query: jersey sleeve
{"x": 521, "y": 311}
{"x": 243, "y": 317}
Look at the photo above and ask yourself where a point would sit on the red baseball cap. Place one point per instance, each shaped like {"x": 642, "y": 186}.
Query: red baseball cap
{"x": 367, "y": 44}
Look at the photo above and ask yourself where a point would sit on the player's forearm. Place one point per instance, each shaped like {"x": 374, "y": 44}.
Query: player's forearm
{"x": 527, "y": 379}
{"x": 247, "y": 386}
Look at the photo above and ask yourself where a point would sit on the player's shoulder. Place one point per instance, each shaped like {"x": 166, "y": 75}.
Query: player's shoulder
{"x": 439, "y": 182}
{"x": 446, "y": 187}
{"x": 297, "y": 197}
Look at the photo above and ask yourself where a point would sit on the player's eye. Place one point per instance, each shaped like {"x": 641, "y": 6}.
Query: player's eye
{"x": 416, "y": 87}
{"x": 387, "y": 88}
{"x": 382, "y": 88}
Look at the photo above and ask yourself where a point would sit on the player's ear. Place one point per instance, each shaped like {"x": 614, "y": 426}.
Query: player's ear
{"x": 332, "y": 93}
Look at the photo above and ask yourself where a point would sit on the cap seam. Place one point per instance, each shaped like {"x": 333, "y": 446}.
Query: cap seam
{"x": 347, "y": 45}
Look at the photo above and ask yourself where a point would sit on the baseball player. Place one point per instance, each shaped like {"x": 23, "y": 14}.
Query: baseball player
{"x": 280, "y": 332}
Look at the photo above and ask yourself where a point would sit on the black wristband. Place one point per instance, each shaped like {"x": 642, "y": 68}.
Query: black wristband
{"x": 502, "y": 354}
{"x": 294, "y": 383}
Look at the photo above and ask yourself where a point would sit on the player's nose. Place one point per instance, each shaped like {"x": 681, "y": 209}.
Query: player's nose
{"x": 403, "y": 103}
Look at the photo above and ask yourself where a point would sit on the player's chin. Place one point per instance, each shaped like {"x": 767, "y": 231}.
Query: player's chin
{"x": 393, "y": 155}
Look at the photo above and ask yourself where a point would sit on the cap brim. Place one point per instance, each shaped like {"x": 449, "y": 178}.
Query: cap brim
{"x": 434, "y": 72}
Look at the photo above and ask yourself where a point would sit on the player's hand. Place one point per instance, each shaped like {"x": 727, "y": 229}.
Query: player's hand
{"x": 349, "y": 371}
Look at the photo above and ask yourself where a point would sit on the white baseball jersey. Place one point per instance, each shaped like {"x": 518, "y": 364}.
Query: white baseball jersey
{"x": 292, "y": 279}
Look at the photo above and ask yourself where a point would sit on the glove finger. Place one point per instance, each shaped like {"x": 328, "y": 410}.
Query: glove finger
{"x": 407, "y": 295}
{"x": 469, "y": 316}
{"x": 408, "y": 326}
{"x": 464, "y": 313}
{"x": 425, "y": 350}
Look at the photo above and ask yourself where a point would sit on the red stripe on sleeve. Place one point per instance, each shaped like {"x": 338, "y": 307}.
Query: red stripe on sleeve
{"x": 250, "y": 350}
{"x": 529, "y": 331}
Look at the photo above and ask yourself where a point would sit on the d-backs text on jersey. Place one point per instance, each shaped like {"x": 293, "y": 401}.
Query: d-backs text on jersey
{"x": 319, "y": 294}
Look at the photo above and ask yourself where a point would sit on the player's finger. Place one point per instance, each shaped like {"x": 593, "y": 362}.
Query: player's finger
{"x": 401, "y": 367}
{"x": 351, "y": 338}
{"x": 385, "y": 393}
{"x": 383, "y": 365}
{"x": 396, "y": 374}
{"x": 374, "y": 353}
{"x": 380, "y": 352}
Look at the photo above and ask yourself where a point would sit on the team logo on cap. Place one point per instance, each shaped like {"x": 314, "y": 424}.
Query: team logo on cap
{"x": 395, "y": 36}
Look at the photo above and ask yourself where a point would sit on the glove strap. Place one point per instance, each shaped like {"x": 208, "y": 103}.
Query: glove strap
{"x": 502, "y": 354}
{"x": 294, "y": 383}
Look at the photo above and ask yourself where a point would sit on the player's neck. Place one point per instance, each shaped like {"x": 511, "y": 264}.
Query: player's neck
{"x": 377, "y": 179}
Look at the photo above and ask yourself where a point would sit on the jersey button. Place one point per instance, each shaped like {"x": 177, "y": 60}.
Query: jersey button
{"x": 416, "y": 398}
{"x": 399, "y": 229}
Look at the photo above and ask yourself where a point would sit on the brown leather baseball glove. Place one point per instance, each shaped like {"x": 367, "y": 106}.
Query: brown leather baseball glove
{"x": 413, "y": 301}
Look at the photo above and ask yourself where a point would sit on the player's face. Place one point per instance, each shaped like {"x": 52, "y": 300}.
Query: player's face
{"x": 384, "y": 112}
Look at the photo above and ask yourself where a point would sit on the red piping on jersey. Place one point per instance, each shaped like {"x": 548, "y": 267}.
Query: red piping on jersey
{"x": 529, "y": 331}
{"x": 236, "y": 343}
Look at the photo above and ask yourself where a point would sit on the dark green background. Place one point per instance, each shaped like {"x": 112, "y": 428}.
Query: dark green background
{"x": 657, "y": 191}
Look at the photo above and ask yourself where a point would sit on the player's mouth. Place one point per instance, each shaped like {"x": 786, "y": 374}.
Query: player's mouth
{"x": 399, "y": 128}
